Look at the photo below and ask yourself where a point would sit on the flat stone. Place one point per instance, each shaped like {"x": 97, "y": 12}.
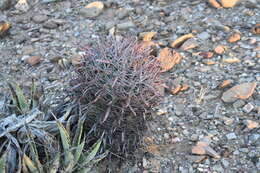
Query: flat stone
{"x": 92, "y": 10}
{"x": 90, "y": 13}
{"x": 241, "y": 91}
{"x": 5, "y": 4}
{"x": 251, "y": 124}
{"x": 50, "y": 24}
{"x": 126, "y": 25}
{"x": 218, "y": 168}
{"x": 40, "y": 18}
{"x": 122, "y": 13}
{"x": 248, "y": 107}
{"x": 239, "y": 103}
{"x": 196, "y": 159}
{"x": 228, "y": 121}
{"x": 189, "y": 44}
{"x": 178, "y": 109}
{"x": 203, "y": 36}
{"x": 225, "y": 163}
{"x": 211, "y": 152}
{"x": 231, "y": 136}
{"x": 33, "y": 60}
{"x": 254, "y": 137}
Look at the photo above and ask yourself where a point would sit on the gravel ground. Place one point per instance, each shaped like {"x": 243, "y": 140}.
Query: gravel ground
{"x": 202, "y": 129}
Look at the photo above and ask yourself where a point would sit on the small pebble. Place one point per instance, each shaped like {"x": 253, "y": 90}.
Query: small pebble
{"x": 231, "y": 136}
{"x": 248, "y": 107}
{"x": 125, "y": 25}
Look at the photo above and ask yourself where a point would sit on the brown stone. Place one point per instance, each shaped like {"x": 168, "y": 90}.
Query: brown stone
{"x": 252, "y": 124}
{"x": 214, "y": 3}
{"x": 207, "y": 54}
{"x": 168, "y": 59}
{"x": 220, "y": 49}
{"x": 181, "y": 39}
{"x": 226, "y": 83}
{"x": 242, "y": 91}
{"x": 234, "y": 38}
{"x": 33, "y": 60}
{"x": 229, "y": 3}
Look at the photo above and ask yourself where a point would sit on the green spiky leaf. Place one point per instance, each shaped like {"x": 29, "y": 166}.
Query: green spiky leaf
{"x": 34, "y": 153}
{"x": 55, "y": 164}
{"x": 79, "y": 130}
{"x": 65, "y": 139}
{"x": 29, "y": 164}
{"x": 33, "y": 93}
{"x": 91, "y": 155}
{"x": 22, "y": 101}
{"x": 79, "y": 151}
{"x": 2, "y": 163}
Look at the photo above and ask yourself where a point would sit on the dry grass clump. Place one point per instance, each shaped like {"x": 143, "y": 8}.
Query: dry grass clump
{"x": 116, "y": 85}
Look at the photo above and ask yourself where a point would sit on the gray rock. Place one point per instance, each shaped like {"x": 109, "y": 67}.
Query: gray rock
{"x": 254, "y": 138}
{"x": 178, "y": 109}
{"x": 40, "y": 18}
{"x": 225, "y": 163}
{"x": 231, "y": 136}
{"x": 90, "y": 12}
{"x": 125, "y": 25}
{"x": 244, "y": 150}
{"x": 248, "y": 107}
{"x": 238, "y": 104}
{"x": 122, "y": 13}
{"x": 50, "y": 24}
{"x": 5, "y": 4}
{"x": 203, "y": 36}
{"x": 218, "y": 168}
